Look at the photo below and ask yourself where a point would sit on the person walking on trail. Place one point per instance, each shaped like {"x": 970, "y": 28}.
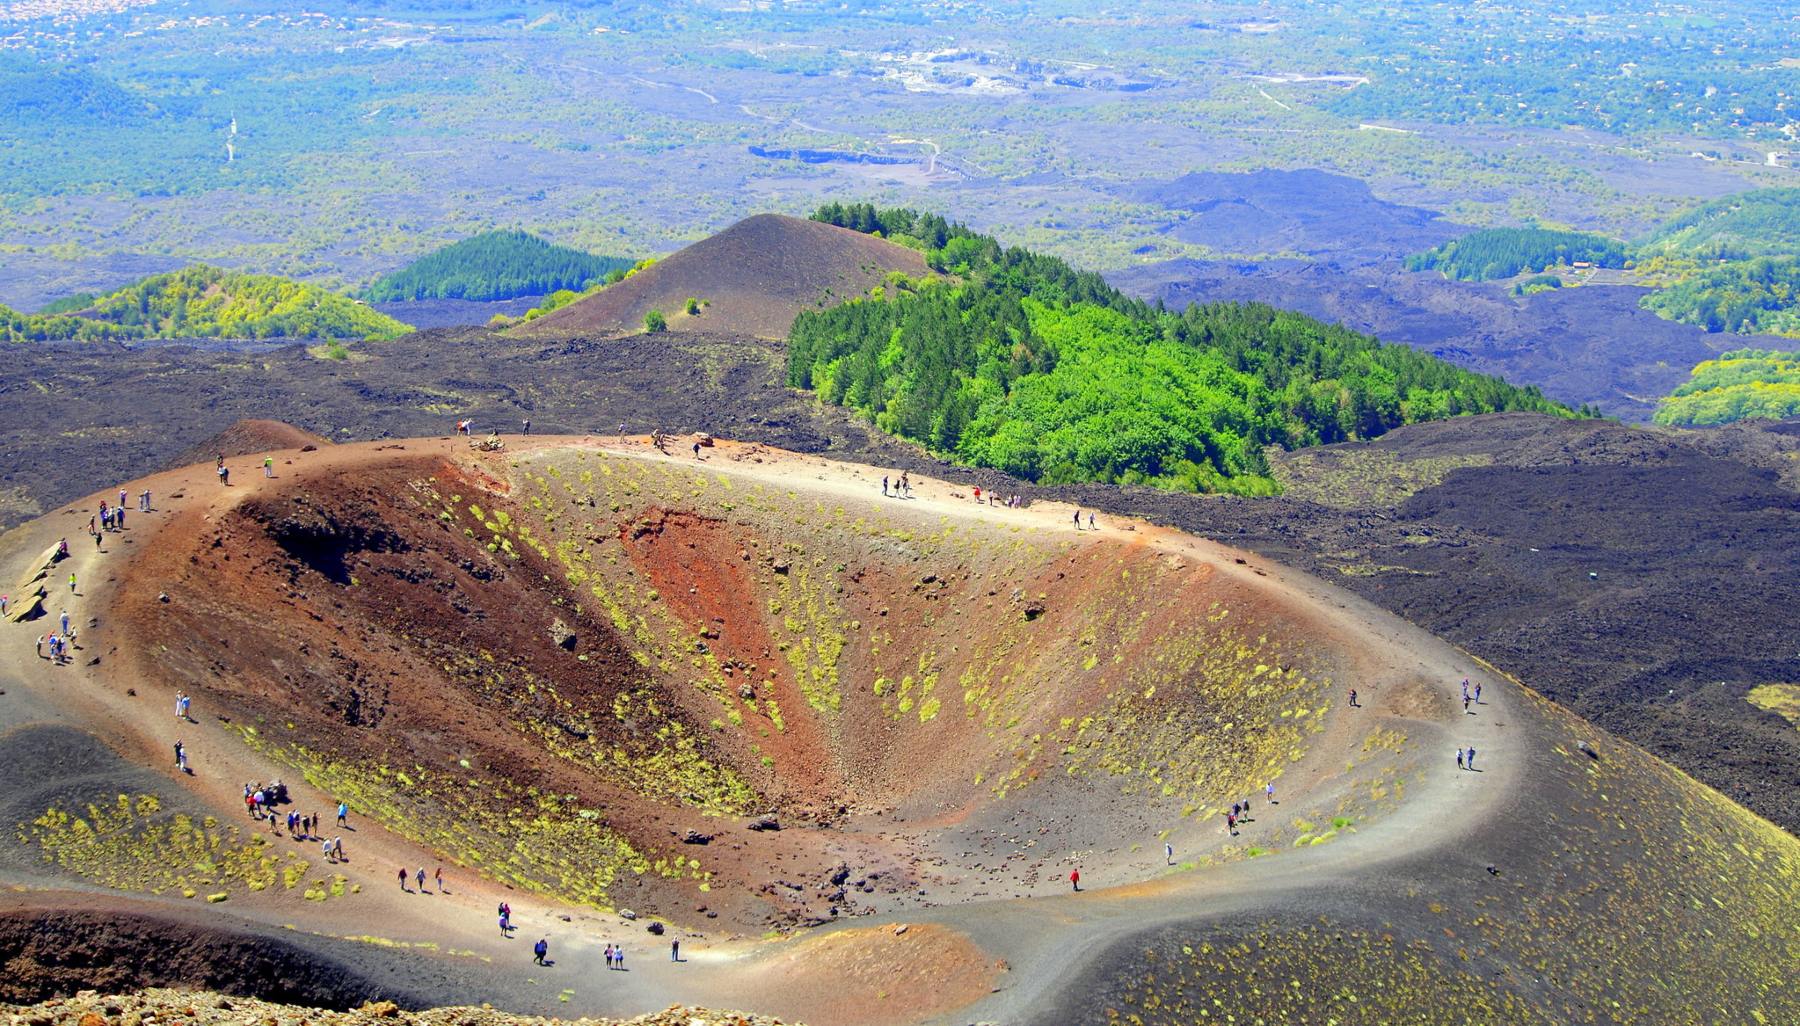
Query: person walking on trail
{"x": 439, "y": 878}
{"x": 1077, "y": 520}
{"x": 1269, "y": 793}
{"x": 1471, "y": 756}
{"x": 72, "y": 584}
{"x": 675, "y": 950}
{"x": 621, "y": 431}
{"x": 1091, "y": 526}
{"x": 1231, "y": 823}
{"x": 525, "y": 429}
{"x": 696, "y": 450}
{"x": 224, "y": 475}
{"x": 1353, "y": 698}
{"x": 505, "y": 923}
{"x": 403, "y": 880}
{"x": 1075, "y": 878}
{"x": 884, "y": 484}
{"x": 619, "y": 957}
{"x": 1477, "y": 692}
{"x": 343, "y": 813}
{"x": 65, "y": 624}
{"x": 1168, "y": 854}
{"x": 268, "y": 466}
{"x": 421, "y": 879}
{"x": 119, "y": 517}
{"x": 609, "y": 956}
{"x": 542, "y": 947}
{"x": 181, "y": 762}
{"x": 325, "y": 848}
{"x": 144, "y": 501}
{"x": 1459, "y": 758}
{"x": 1466, "y": 703}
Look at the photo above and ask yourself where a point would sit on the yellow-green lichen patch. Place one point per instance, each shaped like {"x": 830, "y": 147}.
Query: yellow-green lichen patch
{"x": 131, "y": 844}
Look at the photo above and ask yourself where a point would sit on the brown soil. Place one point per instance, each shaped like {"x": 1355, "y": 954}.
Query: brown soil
{"x": 51, "y": 949}
{"x": 211, "y": 1009}
{"x": 249, "y": 436}
{"x": 911, "y": 972}
{"x": 754, "y": 277}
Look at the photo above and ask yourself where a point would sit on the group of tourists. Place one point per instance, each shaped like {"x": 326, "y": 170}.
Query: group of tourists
{"x": 440, "y": 884}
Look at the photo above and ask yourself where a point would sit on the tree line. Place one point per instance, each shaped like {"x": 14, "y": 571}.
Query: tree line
{"x": 206, "y": 302}
{"x": 1017, "y": 361}
{"x": 495, "y": 265}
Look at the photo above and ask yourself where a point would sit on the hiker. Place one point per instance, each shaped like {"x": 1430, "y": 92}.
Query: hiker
{"x": 542, "y": 947}
{"x": 1352, "y": 698}
{"x": 1234, "y": 808}
{"x": 619, "y": 958}
{"x": 72, "y": 580}
{"x": 337, "y": 845}
{"x": 505, "y": 923}
{"x": 1269, "y": 793}
{"x": 675, "y": 950}
{"x": 1091, "y": 526}
{"x": 144, "y": 501}
{"x": 621, "y": 431}
{"x": 181, "y": 757}
{"x": 609, "y": 956}
{"x": 1477, "y": 692}
{"x": 421, "y": 879}
{"x": 527, "y": 427}
{"x": 268, "y": 466}
{"x": 1077, "y": 520}
{"x": 1231, "y": 823}
{"x": 1168, "y": 854}
{"x": 1465, "y": 703}
{"x": 403, "y": 880}
{"x": 884, "y": 484}
{"x": 1075, "y": 878}
{"x": 224, "y": 475}
{"x": 439, "y": 876}
{"x": 1459, "y": 758}
{"x": 178, "y": 697}
{"x": 1471, "y": 756}
{"x": 696, "y": 450}
{"x": 119, "y": 517}
{"x": 325, "y": 848}
{"x": 62, "y": 549}
{"x": 343, "y": 814}
{"x": 65, "y": 624}
{"x": 906, "y": 482}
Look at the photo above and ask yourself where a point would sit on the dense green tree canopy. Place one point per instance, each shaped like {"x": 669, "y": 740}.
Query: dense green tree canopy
{"x": 1745, "y": 384}
{"x": 495, "y": 265}
{"x": 207, "y": 302}
{"x": 1020, "y": 362}
{"x": 1503, "y": 252}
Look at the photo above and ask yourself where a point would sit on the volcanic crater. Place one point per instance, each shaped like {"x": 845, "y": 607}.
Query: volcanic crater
{"x": 688, "y": 689}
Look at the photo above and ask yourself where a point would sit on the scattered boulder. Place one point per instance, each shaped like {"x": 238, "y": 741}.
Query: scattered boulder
{"x": 563, "y": 635}
{"x": 656, "y": 928}
{"x": 768, "y": 822}
{"x": 626, "y": 913}
{"x": 696, "y": 837}
{"x": 1033, "y": 610}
